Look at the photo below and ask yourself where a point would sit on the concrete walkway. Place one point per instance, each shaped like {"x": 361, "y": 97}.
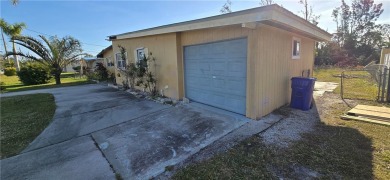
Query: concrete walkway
{"x": 98, "y": 131}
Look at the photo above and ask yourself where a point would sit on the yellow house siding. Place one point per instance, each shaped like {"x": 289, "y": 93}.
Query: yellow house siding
{"x": 276, "y": 67}
{"x": 164, "y": 49}
{"x": 109, "y": 54}
{"x": 384, "y": 51}
{"x": 269, "y": 62}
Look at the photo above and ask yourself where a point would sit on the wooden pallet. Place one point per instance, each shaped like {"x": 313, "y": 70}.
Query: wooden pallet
{"x": 372, "y": 114}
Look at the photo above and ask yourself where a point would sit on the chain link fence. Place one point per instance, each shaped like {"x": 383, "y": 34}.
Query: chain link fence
{"x": 370, "y": 83}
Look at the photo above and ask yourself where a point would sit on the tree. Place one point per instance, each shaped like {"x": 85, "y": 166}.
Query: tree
{"x": 226, "y": 8}
{"x": 13, "y": 30}
{"x": 15, "y": 2}
{"x": 3, "y": 24}
{"x": 55, "y": 54}
{"x": 357, "y": 32}
{"x": 307, "y": 13}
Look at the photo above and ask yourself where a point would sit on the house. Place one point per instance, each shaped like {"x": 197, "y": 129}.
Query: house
{"x": 107, "y": 55}
{"x": 69, "y": 68}
{"x": 240, "y": 62}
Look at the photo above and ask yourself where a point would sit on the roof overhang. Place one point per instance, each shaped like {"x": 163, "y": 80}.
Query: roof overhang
{"x": 101, "y": 53}
{"x": 272, "y": 15}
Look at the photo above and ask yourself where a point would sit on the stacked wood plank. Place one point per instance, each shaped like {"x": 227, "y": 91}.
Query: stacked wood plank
{"x": 372, "y": 114}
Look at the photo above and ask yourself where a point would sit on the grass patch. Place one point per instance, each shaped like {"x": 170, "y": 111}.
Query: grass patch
{"x": 358, "y": 85}
{"x": 12, "y": 83}
{"x": 336, "y": 149}
{"x": 23, "y": 118}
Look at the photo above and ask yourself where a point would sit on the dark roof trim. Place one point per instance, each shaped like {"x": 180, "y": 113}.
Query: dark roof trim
{"x": 100, "y": 55}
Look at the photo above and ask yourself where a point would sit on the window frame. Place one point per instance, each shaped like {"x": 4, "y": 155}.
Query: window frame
{"x": 122, "y": 60}
{"x": 299, "y": 48}
{"x": 136, "y": 53}
{"x": 109, "y": 61}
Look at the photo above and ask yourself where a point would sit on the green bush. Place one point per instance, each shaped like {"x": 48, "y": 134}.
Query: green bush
{"x": 34, "y": 74}
{"x": 10, "y": 71}
{"x": 101, "y": 71}
{"x": 2, "y": 87}
{"x": 92, "y": 76}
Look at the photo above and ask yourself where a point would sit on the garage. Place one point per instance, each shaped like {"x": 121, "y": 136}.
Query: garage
{"x": 215, "y": 74}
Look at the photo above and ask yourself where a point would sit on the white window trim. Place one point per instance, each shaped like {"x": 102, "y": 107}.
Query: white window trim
{"x": 116, "y": 61}
{"x": 292, "y": 48}
{"x": 136, "y": 54}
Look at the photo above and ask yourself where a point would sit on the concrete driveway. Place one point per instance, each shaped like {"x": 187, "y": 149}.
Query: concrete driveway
{"x": 98, "y": 131}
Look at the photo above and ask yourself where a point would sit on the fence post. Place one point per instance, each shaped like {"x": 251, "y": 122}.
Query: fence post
{"x": 342, "y": 88}
{"x": 384, "y": 79}
{"x": 388, "y": 85}
{"x": 379, "y": 85}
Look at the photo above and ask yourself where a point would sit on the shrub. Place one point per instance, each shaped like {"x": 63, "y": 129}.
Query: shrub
{"x": 2, "y": 87}
{"x": 10, "y": 71}
{"x": 92, "y": 76}
{"x": 34, "y": 74}
{"x": 101, "y": 71}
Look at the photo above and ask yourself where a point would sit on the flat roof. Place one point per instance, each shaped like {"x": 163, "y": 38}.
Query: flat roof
{"x": 273, "y": 15}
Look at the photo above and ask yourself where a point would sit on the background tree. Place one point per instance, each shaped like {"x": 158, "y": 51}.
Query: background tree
{"x": 307, "y": 12}
{"x": 55, "y": 54}
{"x": 2, "y": 25}
{"x": 358, "y": 39}
{"x": 13, "y": 30}
{"x": 226, "y": 8}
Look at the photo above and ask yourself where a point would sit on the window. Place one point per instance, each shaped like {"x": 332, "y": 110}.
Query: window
{"x": 140, "y": 54}
{"x": 109, "y": 62}
{"x": 296, "y": 48}
{"x": 120, "y": 61}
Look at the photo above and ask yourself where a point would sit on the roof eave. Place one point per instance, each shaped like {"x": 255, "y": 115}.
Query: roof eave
{"x": 271, "y": 13}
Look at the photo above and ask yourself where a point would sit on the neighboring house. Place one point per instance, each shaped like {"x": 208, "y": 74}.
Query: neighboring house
{"x": 107, "y": 55}
{"x": 385, "y": 57}
{"x": 90, "y": 63}
{"x": 241, "y": 61}
{"x": 69, "y": 67}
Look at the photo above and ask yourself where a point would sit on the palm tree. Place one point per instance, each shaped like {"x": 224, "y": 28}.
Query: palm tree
{"x": 13, "y": 30}
{"x": 56, "y": 53}
{"x": 3, "y": 25}
{"x": 15, "y": 2}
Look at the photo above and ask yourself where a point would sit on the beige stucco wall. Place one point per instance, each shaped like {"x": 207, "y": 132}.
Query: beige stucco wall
{"x": 109, "y": 57}
{"x": 383, "y": 53}
{"x": 269, "y": 65}
{"x": 164, "y": 50}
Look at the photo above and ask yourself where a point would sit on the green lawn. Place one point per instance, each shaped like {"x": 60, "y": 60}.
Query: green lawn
{"x": 336, "y": 149}
{"x": 13, "y": 84}
{"x": 359, "y": 85}
{"x": 23, "y": 118}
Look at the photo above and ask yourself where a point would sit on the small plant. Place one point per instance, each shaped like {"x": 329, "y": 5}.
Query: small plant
{"x": 139, "y": 74}
{"x": 10, "y": 71}
{"x": 146, "y": 78}
{"x": 34, "y": 74}
{"x": 101, "y": 71}
{"x": 92, "y": 76}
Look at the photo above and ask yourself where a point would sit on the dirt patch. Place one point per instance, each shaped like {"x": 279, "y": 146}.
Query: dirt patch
{"x": 290, "y": 128}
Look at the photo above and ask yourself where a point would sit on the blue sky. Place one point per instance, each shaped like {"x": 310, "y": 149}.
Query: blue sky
{"x": 93, "y": 20}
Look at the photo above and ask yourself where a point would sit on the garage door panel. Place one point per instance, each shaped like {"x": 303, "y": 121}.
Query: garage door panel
{"x": 215, "y": 74}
